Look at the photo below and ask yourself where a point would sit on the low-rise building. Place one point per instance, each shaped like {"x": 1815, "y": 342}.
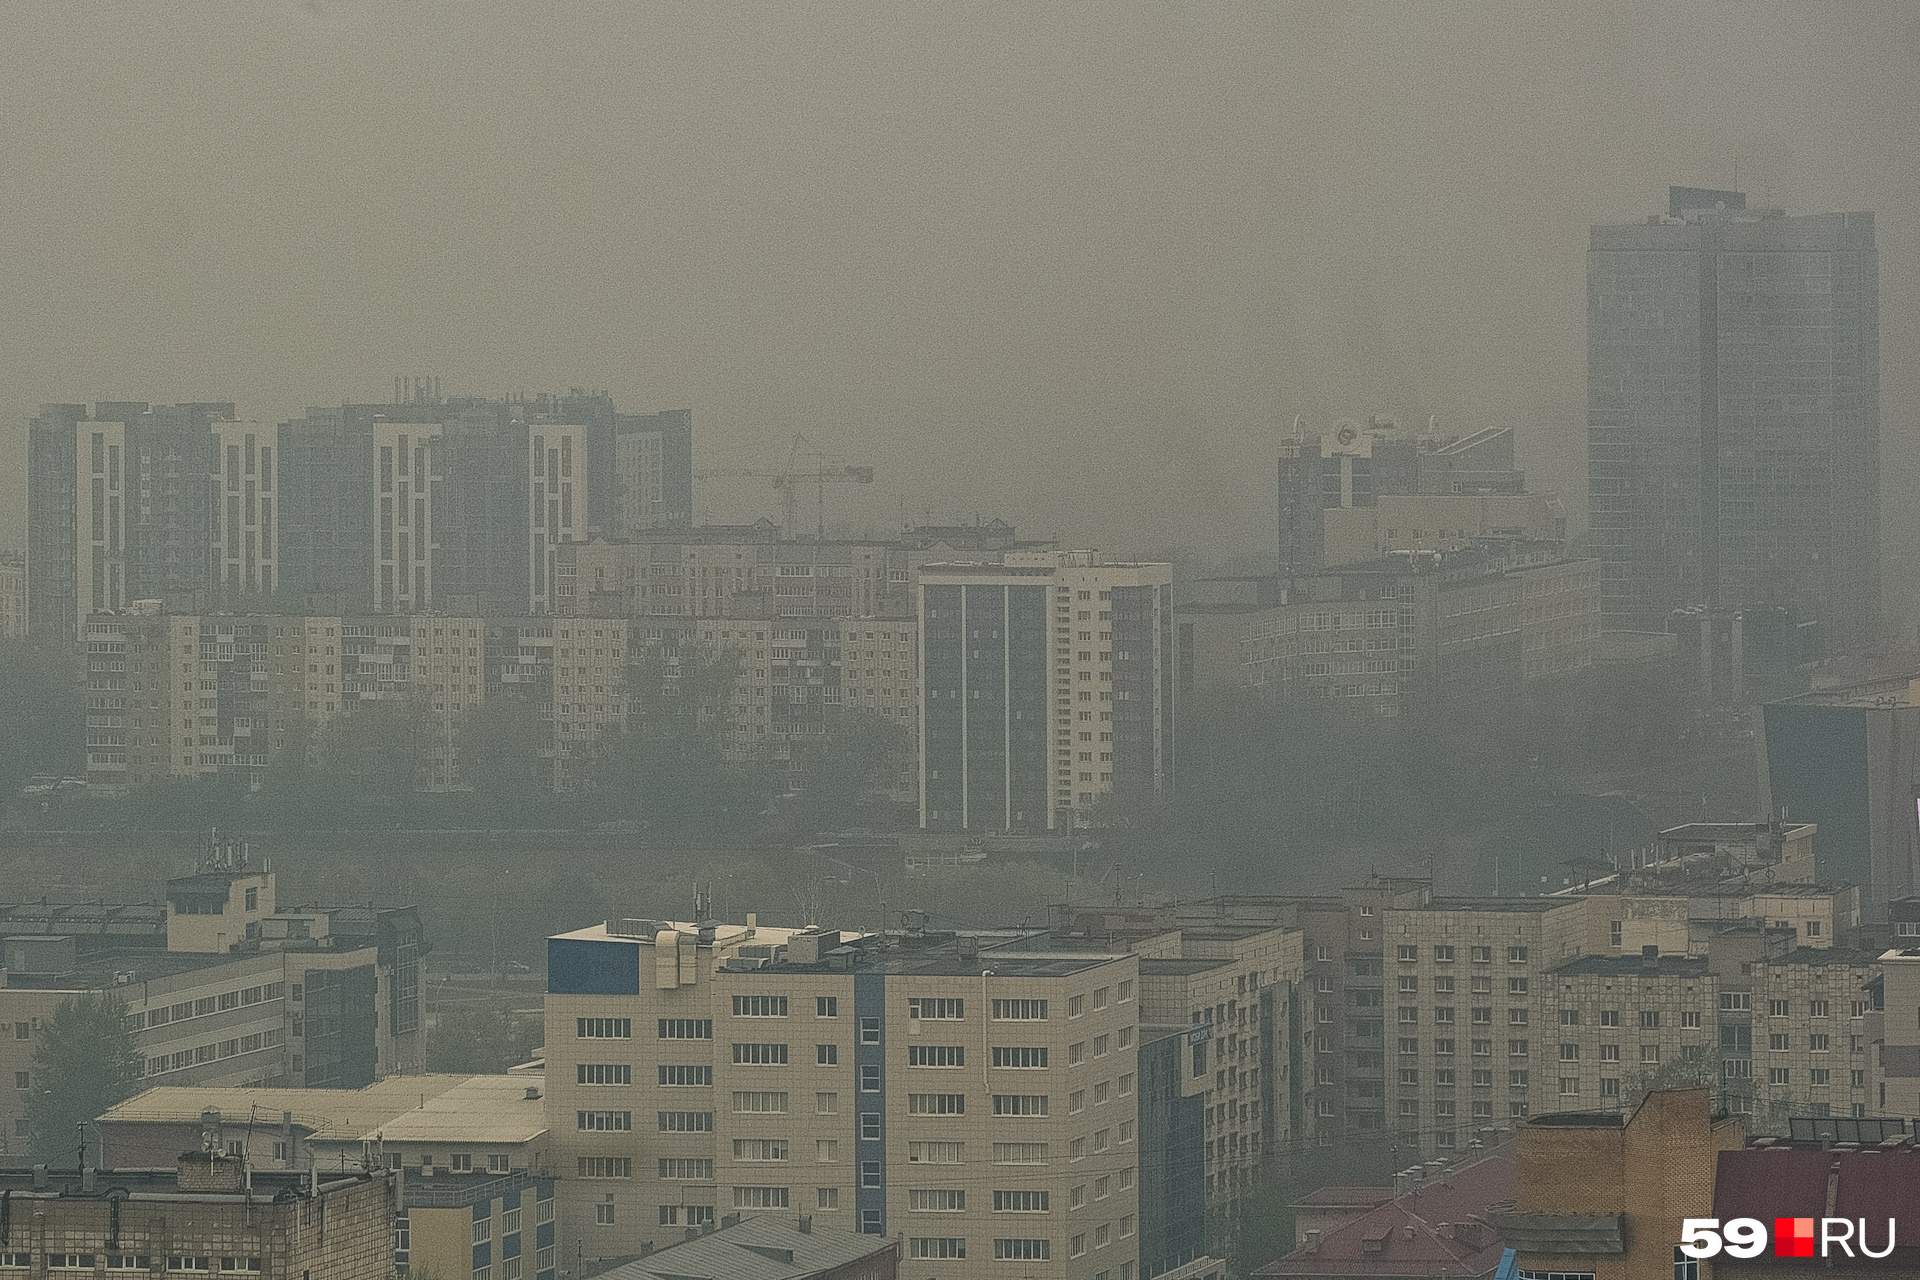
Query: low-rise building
{"x": 207, "y": 1216}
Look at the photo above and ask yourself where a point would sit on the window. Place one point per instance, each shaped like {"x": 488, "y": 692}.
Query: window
{"x": 936, "y": 1104}
{"x": 936, "y": 1246}
{"x": 754, "y": 1102}
{"x": 1020, "y": 1010}
{"x": 617, "y": 1167}
{"x": 178, "y": 1262}
{"x": 1022, "y": 1201}
{"x": 1778, "y": 1075}
{"x": 685, "y": 1028}
{"x": 70, "y": 1261}
{"x": 826, "y": 1006}
{"x": 603, "y": 1213}
{"x": 1517, "y": 1048}
{"x": 1015, "y": 1104}
{"x": 936, "y": 1152}
{"x": 1569, "y": 1051}
{"x": 941, "y": 1008}
{"x": 1736, "y": 1002}
{"x": 611, "y": 1122}
{"x": 937, "y": 1201}
{"x": 1022, "y": 1250}
{"x": 1609, "y": 1017}
{"x": 604, "y": 1028}
{"x": 1516, "y": 955}
{"x": 1019, "y": 1152}
{"x": 936, "y": 1055}
{"x": 1819, "y": 1009}
{"x": 1776, "y": 1008}
{"x": 1649, "y": 1019}
{"x": 1516, "y": 1017}
{"x": 1516, "y": 986}
{"x": 869, "y": 1126}
{"x": 1099, "y": 998}
{"x": 1408, "y": 954}
{"x": 1690, "y": 1019}
{"x": 1020, "y": 1058}
{"x": 826, "y": 1104}
{"x": 1076, "y": 1005}
{"x": 760, "y": 1150}
{"x": 1778, "y": 1043}
{"x": 827, "y": 1198}
{"x": 760, "y": 1055}
{"x": 759, "y": 1006}
{"x": 603, "y": 1073}
{"x": 1649, "y": 1053}
{"x": 759, "y": 1197}
{"x": 678, "y": 1076}
{"x": 869, "y": 1173}
{"x": 687, "y": 1170}
{"x": 869, "y": 1031}
{"x": 826, "y": 1055}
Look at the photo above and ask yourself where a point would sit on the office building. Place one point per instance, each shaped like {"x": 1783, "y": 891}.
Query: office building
{"x": 1026, "y": 1155}
{"x": 1047, "y": 688}
{"x": 13, "y": 595}
{"x": 223, "y": 985}
{"x": 204, "y": 1214}
{"x": 1733, "y": 414}
{"x": 1848, "y": 760}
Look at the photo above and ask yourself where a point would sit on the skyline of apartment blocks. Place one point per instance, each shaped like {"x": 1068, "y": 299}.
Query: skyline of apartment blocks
{"x": 419, "y": 505}
{"x": 1047, "y": 682}
{"x": 797, "y": 1070}
{"x": 1733, "y": 413}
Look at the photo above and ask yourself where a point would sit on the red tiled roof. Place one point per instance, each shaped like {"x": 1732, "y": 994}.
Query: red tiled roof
{"x": 1405, "y": 1236}
{"x": 1345, "y": 1197}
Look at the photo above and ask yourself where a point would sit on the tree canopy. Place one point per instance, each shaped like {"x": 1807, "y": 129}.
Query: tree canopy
{"x": 86, "y": 1061}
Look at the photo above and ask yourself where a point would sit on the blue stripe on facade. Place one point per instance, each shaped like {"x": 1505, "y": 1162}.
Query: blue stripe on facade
{"x": 870, "y": 1001}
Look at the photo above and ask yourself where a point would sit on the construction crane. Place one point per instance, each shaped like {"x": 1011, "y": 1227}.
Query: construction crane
{"x": 789, "y": 482}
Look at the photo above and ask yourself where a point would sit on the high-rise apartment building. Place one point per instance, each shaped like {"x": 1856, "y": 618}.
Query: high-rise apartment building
{"x": 1047, "y": 687}
{"x": 653, "y": 465}
{"x": 1733, "y": 413}
{"x": 978, "y": 1099}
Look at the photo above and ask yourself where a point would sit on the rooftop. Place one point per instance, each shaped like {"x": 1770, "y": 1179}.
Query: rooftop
{"x": 327, "y": 1114}
{"x": 1492, "y": 904}
{"x": 1868, "y": 694}
{"x": 1438, "y": 1228}
{"x": 1636, "y": 966}
{"x": 766, "y": 1247}
{"x": 139, "y": 1184}
{"x": 125, "y": 967}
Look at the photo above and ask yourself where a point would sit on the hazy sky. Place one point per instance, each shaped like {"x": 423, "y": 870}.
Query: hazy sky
{"x": 1074, "y": 265}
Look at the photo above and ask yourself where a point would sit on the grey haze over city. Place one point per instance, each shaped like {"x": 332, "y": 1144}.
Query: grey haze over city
{"x": 1075, "y": 267}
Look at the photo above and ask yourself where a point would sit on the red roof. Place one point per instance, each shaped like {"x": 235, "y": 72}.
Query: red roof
{"x": 1345, "y": 1198}
{"x": 1793, "y": 1182}
{"x": 1437, "y": 1229}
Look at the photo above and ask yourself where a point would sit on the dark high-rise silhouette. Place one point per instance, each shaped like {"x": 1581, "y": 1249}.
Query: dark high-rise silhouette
{"x": 1733, "y": 413}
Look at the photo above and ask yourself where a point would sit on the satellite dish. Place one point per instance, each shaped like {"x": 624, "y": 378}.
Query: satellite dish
{"x": 1346, "y": 435}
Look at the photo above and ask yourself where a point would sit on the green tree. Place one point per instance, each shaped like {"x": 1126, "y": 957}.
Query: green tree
{"x": 85, "y": 1062}
{"x": 499, "y": 754}
{"x": 669, "y": 766}
{"x": 845, "y": 777}
{"x": 480, "y": 1041}
{"x": 378, "y": 747}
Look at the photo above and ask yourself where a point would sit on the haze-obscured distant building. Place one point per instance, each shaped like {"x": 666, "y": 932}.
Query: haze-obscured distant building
{"x": 1361, "y": 491}
{"x": 1848, "y": 760}
{"x": 1047, "y": 682}
{"x": 1733, "y": 413}
{"x": 1474, "y": 623}
{"x": 13, "y": 595}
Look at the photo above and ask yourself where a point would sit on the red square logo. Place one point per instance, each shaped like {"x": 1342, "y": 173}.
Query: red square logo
{"x": 1793, "y": 1237}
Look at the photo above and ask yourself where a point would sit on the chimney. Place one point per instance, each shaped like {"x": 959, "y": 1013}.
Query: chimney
{"x": 1313, "y": 1240}
{"x": 1650, "y": 957}
{"x": 209, "y": 1171}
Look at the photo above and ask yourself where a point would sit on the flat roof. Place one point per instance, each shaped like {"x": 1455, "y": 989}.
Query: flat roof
{"x": 1489, "y": 904}
{"x": 100, "y": 970}
{"x": 140, "y": 1184}
{"x": 328, "y": 1114}
{"x": 1867, "y": 694}
{"x": 1636, "y": 966}
{"x": 478, "y": 1109}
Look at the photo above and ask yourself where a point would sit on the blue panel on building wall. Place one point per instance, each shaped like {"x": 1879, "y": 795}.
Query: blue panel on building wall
{"x": 543, "y": 1189}
{"x": 482, "y": 1255}
{"x": 510, "y": 1245}
{"x": 511, "y": 1200}
{"x": 543, "y": 1236}
{"x": 585, "y": 967}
